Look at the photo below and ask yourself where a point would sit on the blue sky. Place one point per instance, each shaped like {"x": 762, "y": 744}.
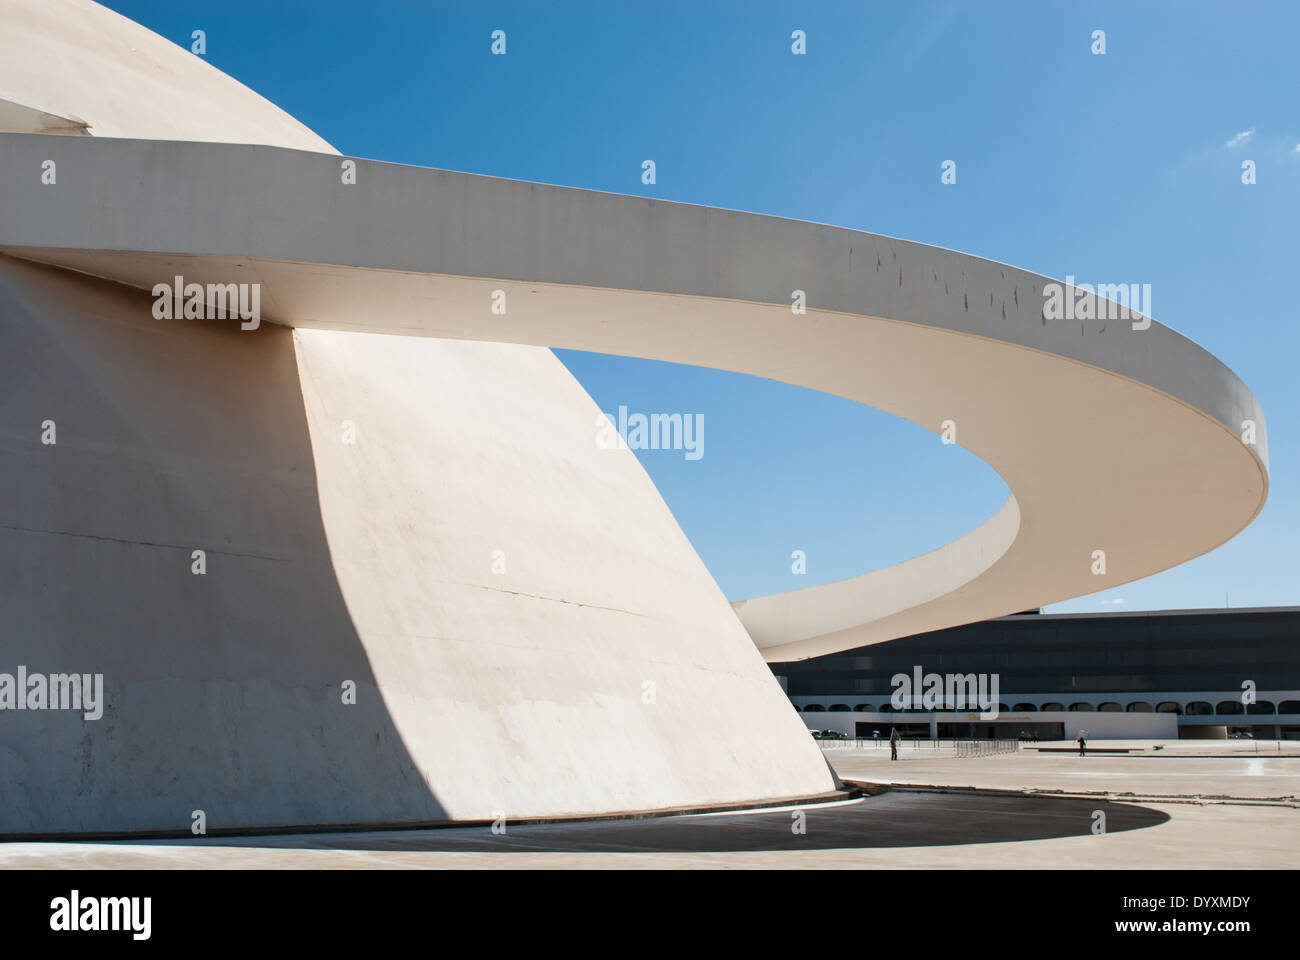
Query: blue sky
{"x": 1122, "y": 167}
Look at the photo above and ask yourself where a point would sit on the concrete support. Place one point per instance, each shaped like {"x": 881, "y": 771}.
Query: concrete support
{"x": 596, "y": 667}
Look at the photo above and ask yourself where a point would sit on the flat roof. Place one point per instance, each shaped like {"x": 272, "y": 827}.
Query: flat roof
{"x": 1142, "y": 613}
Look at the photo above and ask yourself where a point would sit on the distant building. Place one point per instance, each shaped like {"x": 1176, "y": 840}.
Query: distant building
{"x": 1112, "y": 674}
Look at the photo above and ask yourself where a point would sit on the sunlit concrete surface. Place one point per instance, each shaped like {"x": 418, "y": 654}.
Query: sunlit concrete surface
{"x": 999, "y": 812}
{"x": 1187, "y": 769}
{"x": 76, "y": 68}
{"x": 1112, "y": 439}
{"x": 527, "y": 627}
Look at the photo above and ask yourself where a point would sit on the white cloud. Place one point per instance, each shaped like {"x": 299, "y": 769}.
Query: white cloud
{"x": 1239, "y": 139}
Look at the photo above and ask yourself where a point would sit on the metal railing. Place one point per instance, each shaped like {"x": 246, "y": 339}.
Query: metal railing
{"x": 960, "y": 747}
{"x": 985, "y": 748}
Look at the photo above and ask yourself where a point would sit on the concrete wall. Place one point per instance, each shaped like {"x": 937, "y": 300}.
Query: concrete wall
{"x": 529, "y": 679}
{"x": 1117, "y": 726}
{"x": 598, "y": 668}
{"x": 521, "y": 691}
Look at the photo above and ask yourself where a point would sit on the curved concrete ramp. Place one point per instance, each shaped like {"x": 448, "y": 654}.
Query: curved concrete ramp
{"x": 1119, "y": 439}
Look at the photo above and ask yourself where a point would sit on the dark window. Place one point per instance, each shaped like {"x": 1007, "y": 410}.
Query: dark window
{"x": 1121, "y": 656}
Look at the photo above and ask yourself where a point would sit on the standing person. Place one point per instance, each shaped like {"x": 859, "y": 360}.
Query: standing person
{"x": 893, "y": 744}
{"x": 1083, "y": 741}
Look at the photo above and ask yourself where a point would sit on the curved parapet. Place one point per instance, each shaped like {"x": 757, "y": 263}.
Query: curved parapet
{"x": 1119, "y": 439}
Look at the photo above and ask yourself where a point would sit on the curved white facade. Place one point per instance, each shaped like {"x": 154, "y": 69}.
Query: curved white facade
{"x": 1113, "y": 439}
{"x": 529, "y": 631}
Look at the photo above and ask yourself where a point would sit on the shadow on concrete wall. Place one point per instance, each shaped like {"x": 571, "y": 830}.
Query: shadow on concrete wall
{"x": 223, "y": 691}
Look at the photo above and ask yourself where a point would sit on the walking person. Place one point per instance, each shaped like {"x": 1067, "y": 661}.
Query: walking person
{"x": 893, "y": 744}
{"x": 1083, "y": 742}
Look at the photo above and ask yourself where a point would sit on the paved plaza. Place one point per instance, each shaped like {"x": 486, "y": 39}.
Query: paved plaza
{"x": 1190, "y": 804}
{"x": 1245, "y": 770}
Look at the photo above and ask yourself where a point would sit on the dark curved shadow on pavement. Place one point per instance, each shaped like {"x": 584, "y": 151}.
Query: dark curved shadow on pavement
{"x": 895, "y": 819}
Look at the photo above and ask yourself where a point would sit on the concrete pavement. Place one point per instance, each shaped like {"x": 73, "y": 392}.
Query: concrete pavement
{"x": 1181, "y": 769}
{"x": 902, "y": 828}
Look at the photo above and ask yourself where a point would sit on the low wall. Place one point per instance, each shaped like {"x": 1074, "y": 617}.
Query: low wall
{"x": 1099, "y": 726}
